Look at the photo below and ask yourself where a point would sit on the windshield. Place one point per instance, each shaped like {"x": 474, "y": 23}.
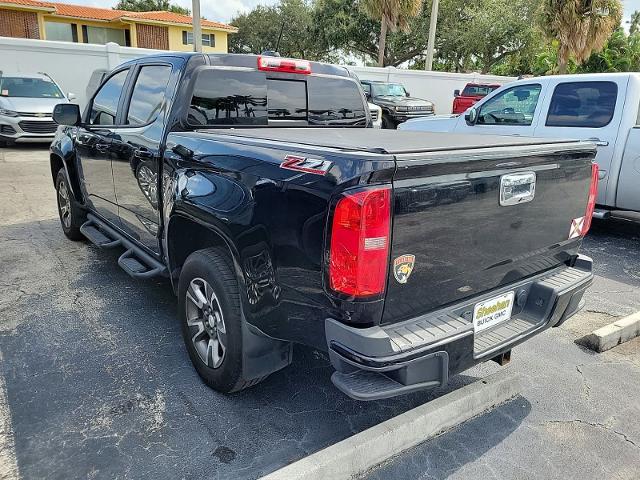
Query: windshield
{"x": 388, "y": 89}
{"x": 28, "y": 87}
{"x": 478, "y": 90}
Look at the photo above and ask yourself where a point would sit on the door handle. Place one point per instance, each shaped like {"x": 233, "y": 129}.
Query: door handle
{"x": 143, "y": 154}
{"x": 598, "y": 142}
{"x": 102, "y": 147}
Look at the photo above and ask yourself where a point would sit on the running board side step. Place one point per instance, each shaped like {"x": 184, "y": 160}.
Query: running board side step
{"x": 135, "y": 261}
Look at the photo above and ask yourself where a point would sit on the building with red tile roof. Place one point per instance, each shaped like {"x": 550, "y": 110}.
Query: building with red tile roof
{"x": 159, "y": 30}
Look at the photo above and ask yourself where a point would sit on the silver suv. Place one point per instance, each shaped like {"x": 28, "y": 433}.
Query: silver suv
{"x": 26, "y": 104}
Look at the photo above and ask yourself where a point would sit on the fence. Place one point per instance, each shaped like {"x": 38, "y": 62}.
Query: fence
{"x": 71, "y": 65}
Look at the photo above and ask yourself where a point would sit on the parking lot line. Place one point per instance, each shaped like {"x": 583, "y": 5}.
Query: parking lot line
{"x": 8, "y": 464}
{"x": 363, "y": 451}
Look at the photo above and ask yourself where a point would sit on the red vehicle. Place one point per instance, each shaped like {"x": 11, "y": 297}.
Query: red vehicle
{"x": 470, "y": 95}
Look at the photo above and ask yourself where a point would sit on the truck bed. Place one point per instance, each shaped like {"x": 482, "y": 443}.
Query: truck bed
{"x": 384, "y": 141}
{"x": 448, "y": 215}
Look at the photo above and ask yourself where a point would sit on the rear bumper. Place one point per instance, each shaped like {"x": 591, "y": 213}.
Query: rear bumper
{"x": 385, "y": 361}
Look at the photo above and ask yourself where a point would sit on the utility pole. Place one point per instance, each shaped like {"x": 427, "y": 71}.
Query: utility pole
{"x": 197, "y": 27}
{"x": 433, "y": 21}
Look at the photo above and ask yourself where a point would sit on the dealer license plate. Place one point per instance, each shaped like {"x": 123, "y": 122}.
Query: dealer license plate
{"x": 492, "y": 312}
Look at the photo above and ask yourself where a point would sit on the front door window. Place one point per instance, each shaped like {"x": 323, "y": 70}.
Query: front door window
{"x": 514, "y": 106}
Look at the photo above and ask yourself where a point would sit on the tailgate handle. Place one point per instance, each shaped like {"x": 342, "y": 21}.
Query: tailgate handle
{"x": 517, "y": 188}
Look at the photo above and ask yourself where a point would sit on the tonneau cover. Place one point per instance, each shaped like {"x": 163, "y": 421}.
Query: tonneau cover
{"x": 383, "y": 141}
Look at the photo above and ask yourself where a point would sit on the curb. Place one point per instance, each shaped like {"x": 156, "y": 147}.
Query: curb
{"x": 363, "y": 451}
{"x": 612, "y": 335}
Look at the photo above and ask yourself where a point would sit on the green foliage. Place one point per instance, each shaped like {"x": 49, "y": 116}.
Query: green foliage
{"x": 261, "y": 28}
{"x": 581, "y": 27}
{"x": 495, "y": 36}
{"x": 621, "y": 53}
{"x": 634, "y": 23}
{"x": 150, "y": 6}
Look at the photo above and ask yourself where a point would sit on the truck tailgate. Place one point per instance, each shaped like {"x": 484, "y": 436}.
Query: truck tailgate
{"x": 449, "y": 220}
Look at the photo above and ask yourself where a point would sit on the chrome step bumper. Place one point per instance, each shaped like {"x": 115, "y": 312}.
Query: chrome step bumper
{"x": 424, "y": 351}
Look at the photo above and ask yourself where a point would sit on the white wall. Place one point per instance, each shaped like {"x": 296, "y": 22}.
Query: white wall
{"x": 69, "y": 64}
{"x": 437, "y": 87}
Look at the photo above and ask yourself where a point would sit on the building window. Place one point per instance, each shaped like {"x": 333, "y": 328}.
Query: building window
{"x": 208, "y": 39}
{"x": 102, "y": 35}
{"x": 61, "y": 32}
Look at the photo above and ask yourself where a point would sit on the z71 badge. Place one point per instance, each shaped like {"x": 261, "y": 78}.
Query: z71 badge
{"x": 402, "y": 267}
{"x": 306, "y": 165}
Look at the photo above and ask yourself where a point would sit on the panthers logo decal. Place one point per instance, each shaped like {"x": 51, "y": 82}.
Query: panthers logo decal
{"x": 402, "y": 267}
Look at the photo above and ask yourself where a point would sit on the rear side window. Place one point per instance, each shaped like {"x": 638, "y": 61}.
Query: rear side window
{"x": 148, "y": 94}
{"x": 335, "y": 101}
{"x": 105, "y": 103}
{"x": 228, "y": 97}
{"x": 582, "y": 104}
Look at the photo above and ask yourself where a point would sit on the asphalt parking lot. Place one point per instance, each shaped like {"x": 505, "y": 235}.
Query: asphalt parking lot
{"x": 95, "y": 382}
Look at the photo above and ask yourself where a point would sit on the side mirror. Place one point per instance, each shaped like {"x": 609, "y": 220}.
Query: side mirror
{"x": 407, "y": 93}
{"x": 67, "y": 114}
{"x": 456, "y": 92}
{"x": 471, "y": 116}
{"x": 71, "y": 96}
{"x": 367, "y": 95}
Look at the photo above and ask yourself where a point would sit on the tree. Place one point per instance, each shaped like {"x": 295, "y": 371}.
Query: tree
{"x": 151, "y": 6}
{"x": 580, "y": 26}
{"x": 393, "y": 15}
{"x": 288, "y": 27}
{"x": 634, "y": 23}
{"x": 621, "y": 53}
{"x": 345, "y": 29}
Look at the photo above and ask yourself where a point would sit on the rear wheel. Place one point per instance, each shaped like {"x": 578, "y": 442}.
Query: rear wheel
{"x": 211, "y": 320}
{"x": 71, "y": 214}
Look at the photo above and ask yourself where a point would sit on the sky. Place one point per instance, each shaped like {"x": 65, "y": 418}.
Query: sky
{"x": 224, "y": 10}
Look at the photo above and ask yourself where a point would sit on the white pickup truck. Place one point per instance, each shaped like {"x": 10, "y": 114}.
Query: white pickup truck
{"x": 601, "y": 107}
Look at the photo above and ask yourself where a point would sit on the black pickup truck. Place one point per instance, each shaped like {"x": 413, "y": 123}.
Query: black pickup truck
{"x": 253, "y": 184}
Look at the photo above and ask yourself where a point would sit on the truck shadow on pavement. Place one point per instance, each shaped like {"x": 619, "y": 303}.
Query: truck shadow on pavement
{"x": 613, "y": 244}
{"x": 99, "y": 384}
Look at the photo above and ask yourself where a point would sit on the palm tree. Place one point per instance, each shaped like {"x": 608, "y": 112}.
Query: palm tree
{"x": 581, "y": 27}
{"x": 393, "y": 15}
{"x": 634, "y": 23}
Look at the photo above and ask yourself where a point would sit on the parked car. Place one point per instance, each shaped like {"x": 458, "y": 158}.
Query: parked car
{"x": 600, "y": 107}
{"x": 407, "y": 257}
{"x": 471, "y": 93}
{"x": 376, "y": 115}
{"x": 396, "y": 103}
{"x": 26, "y": 104}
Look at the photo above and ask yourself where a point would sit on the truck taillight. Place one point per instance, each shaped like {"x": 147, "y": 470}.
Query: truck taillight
{"x": 359, "y": 247}
{"x": 287, "y": 65}
{"x": 591, "y": 202}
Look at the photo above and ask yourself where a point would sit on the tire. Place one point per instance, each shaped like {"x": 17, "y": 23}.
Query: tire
{"x": 387, "y": 123}
{"x": 71, "y": 214}
{"x": 218, "y": 321}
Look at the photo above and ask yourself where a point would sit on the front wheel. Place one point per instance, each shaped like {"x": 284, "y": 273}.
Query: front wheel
{"x": 71, "y": 214}
{"x": 211, "y": 320}
{"x": 388, "y": 123}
